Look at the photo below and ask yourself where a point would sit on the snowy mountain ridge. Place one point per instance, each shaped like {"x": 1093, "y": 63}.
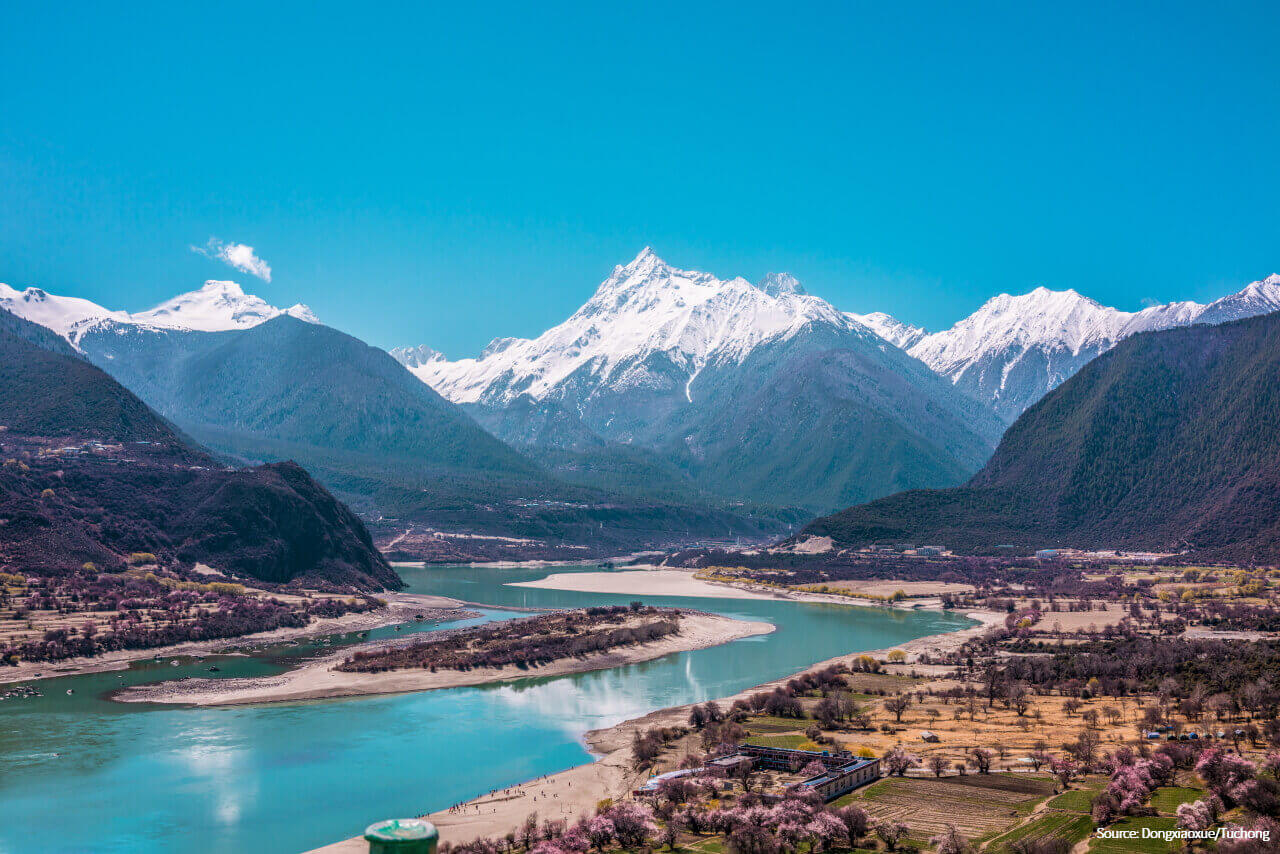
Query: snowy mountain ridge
{"x": 413, "y": 357}
{"x": 889, "y": 328}
{"x": 216, "y": 306}
{"x": 756, "y": 392}
{"x": 643, "y": 309}
{"x": 1007, "y": 354}
{"x": 1015, "y": 349}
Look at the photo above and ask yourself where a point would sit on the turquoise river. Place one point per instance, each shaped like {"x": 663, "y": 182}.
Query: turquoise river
{"x": 79, "y": 772}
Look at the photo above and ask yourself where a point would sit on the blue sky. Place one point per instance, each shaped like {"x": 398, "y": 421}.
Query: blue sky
{"x": 435, "y": 174}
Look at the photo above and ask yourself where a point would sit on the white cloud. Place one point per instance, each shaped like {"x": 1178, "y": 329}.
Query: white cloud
{"x": 238, "y": 255}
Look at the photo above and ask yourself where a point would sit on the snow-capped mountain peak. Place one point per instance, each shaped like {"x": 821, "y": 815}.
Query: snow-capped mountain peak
{"x": 61, "y": 314}
{"x": 413, "y": 357}
{"x": 1014, "y": 349}
{"x": 777, "y": 284}
{"x": 1260, "y": 297}
{"x": 1065, "y": 316}
{"x": 742, "y": 388}
{"x": 645, "y": 308}
{"x": 216, "y": 306}
{"x": 646, "y": 261}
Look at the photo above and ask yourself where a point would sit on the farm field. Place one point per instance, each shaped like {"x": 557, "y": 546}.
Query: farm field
{"x": 1075, "y": 800}
{"x": 1050, "y": 824}
{"x": 1167, "y": 799}
{"x": 979, "y": 805}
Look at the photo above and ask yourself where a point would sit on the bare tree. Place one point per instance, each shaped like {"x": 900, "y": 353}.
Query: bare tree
{"x": 897, "y": 705}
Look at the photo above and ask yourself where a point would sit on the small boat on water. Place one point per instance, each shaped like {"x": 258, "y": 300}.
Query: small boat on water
{"x": 70, "y": 691}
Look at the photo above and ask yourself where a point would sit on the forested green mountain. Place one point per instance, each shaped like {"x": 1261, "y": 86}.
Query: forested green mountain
{"x": 1170, "y": 441}
{"x": 91, "y": 473}
{"x": 53, "y": 392}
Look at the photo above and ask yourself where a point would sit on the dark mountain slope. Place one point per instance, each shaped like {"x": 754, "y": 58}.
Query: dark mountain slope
{"x": 808, "y": 422}
{"x": 92, "y": 474}
{"x": 273, "y": 523}
{"x": 46, "y": 392}
{"x": 1168, "y": 442}
{"x": 565, "y": 446}
{"x": 34, "y": 333}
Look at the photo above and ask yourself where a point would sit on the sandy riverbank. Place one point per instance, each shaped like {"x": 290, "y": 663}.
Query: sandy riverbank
{"x": 643, "y": 582}
{"x": 320, "y": 679}
{"x": 649, "y": 580}
{"x": 401, "y": 608}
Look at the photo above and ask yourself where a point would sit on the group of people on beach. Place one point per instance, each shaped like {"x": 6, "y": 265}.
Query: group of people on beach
{"x": 514, "y": 791}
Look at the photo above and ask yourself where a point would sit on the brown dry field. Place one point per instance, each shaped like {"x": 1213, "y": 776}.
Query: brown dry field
{"x": 913, "y": 589}
{"x": 1072, "y": 621}
{"x": 1009, "y": 736}
{"x": 1001, "y": 730}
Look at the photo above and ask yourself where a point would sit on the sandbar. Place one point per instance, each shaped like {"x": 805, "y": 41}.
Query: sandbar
{"x": 320, "y": 680}
{"x": 643, "y": 582}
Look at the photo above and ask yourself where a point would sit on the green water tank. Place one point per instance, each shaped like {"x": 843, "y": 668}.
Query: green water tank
{"x": 402, "y": 836}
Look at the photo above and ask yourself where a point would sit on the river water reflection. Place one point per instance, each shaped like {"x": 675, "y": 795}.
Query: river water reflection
{"x": 79, "y": 772}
